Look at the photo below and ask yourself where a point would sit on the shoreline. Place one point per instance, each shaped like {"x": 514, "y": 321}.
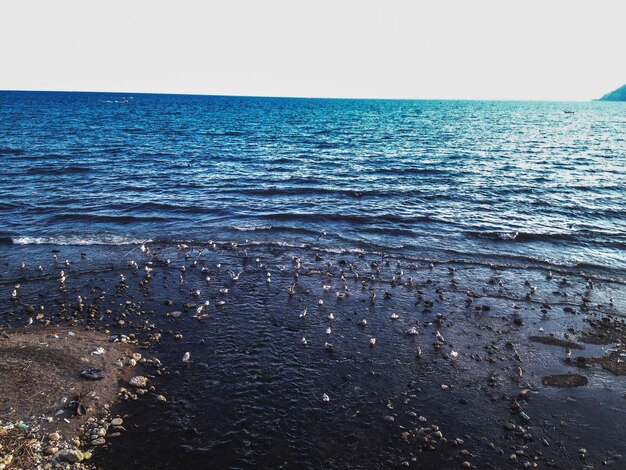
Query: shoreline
{"x": 77, "y": 376}
{"x": 510, "y": 359}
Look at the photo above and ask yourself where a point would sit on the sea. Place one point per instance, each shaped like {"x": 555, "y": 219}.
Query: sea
{"x": 357, "y": 282}
{"x": 504, "y": 182}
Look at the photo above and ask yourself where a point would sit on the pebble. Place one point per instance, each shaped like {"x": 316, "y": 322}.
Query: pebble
{"x": 117, "y": 421}
{"x": 161, "y": 399}
{"x": 70, "y": 455}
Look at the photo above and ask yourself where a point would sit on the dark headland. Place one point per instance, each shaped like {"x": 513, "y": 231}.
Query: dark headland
{"x": 615, "y": 95}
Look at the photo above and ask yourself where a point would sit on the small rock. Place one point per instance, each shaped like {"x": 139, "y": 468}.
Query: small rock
{"x": 70, "y": 455}
{"x": 139, "y": 381}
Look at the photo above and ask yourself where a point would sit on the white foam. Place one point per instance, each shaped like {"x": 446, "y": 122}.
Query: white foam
{"x": 79, "y": 240}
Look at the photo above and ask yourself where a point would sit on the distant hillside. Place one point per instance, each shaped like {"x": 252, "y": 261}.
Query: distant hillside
{"x": 617, "y": 95}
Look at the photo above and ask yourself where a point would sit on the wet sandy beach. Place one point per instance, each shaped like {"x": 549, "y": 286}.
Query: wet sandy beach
{"x": 396, "y": 362}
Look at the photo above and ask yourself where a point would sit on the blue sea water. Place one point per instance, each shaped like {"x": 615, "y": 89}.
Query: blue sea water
{"x": 504, "y": 182}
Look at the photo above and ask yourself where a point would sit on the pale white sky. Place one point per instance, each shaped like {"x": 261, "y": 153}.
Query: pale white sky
{"x": 483, "y": 49}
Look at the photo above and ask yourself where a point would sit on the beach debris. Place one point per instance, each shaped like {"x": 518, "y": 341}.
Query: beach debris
{"x": 454, "y": 354}
{"x": 92, "y": 374}
{"x": 328, "y": 346}
{"x": 394, "y": 316}
{"x": 325, "y": 398}
{"x": 331, "y": 316}
{"x": 328, "y": 330}
{"x": 186, "y": 357}
{"x": 304, "y": 341}
{"x": 372, "y": 342}
{"x": 303, "y": 314}
{"x": 98, "y": 351}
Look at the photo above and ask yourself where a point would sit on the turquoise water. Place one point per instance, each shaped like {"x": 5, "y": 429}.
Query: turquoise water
{"x": 507, "y": 182}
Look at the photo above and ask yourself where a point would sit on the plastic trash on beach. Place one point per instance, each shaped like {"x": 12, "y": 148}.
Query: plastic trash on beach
{"x": 92, "y": 374}
{"x": 97, "y": 352}
{"x": 524, "y": 416}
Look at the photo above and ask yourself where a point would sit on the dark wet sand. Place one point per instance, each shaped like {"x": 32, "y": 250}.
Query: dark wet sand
{"x": 252, "y": 393}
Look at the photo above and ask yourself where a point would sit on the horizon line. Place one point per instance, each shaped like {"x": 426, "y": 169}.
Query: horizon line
{"x": 224, "y": 95}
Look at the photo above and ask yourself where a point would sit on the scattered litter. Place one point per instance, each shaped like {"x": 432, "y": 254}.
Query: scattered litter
{"x": 92, "y": 374}
{"x": 524, "y": 416}
{"x": 97, "y": 352}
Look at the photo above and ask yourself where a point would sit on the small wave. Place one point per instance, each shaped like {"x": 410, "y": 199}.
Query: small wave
{"x": 225, "y": 134}
{"x": 250, "y": 228}
{"x": 352, "y": 218}
{"x": 388, "y": 231}
{"x": 78, "y": 240}
{"x": 608, "y": 239}
{"x": 410, "y": 171}
{"x": 58, "y": 170}
{"x": 166, "y": 207}
{"x": 11, "y": 151}
{"x": 274, "y": 228}
{"x": 327, "y": 145}
{"x": 519, "y": 236}
{"x": 118, "y": 219}
{"x": 301, "y": 191}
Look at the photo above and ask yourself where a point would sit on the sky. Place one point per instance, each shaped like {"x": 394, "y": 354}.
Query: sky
{"x": 436, "y": 49}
